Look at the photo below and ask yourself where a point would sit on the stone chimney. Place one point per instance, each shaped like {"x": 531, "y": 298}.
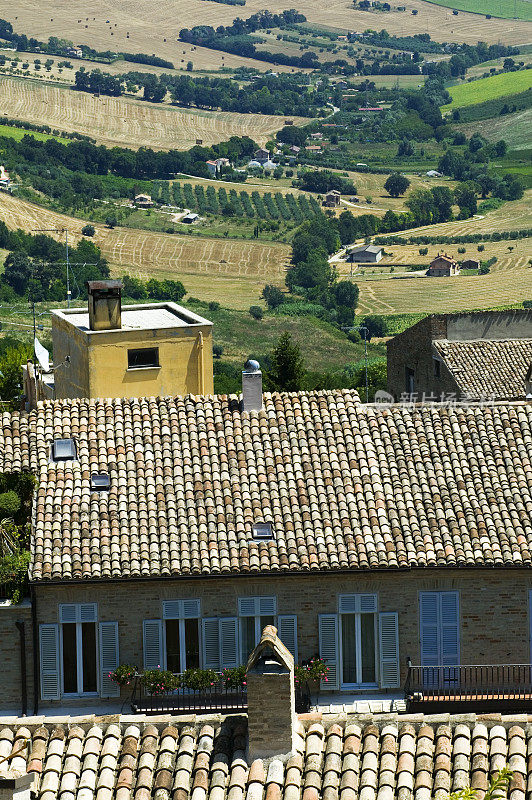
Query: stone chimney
{"x": 271, "y": 698}
{"x": 251, "y": 386}
{"x": 14, "y": 786}
{"x": 105, "y": 309}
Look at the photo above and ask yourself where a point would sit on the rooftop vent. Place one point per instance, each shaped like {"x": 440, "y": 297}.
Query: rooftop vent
{"x": 262, "y": 530}
{"x": 100, "y": 482}
{"x": 251, "y": 386}
{"x": 63, "y": 450}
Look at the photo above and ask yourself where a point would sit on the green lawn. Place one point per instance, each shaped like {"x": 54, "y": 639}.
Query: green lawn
{"x": 508, "y": 83}
{"x": 18, "y": 133}
{"x": 507, "y": 9}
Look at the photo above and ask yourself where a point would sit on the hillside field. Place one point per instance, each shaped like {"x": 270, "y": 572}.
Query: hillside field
{"x": 483, "y": 89}
{"x": 141, "y": 26}
{"x": 515, "y": 129}
{"x": 125, "y": 121}
{"x": 509, "y": 9}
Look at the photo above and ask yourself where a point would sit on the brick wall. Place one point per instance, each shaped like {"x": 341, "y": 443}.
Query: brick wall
{"x": 494, "y": 606}
{"x": 413, "y": 349}
{"x": 11, "y": 682}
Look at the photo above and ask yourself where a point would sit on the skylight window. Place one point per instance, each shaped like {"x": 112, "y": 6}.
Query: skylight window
{"x": 100, "y": 482}
{"x": 63, "y": 450}
{"x": 262, "y": 530}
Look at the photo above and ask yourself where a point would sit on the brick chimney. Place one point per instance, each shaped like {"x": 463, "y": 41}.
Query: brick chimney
{"x": 251, "y": 386}
{"x": 105, "y": 309}
{"x": 271, "y": 698}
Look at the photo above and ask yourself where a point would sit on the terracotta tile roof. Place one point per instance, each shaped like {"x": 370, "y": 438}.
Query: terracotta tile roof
{"x": 426, "y": 758}
{"x": 345, "y": 486}
{"x": 488, "y": 368}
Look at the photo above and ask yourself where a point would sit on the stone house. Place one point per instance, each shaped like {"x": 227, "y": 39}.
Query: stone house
{"x": 470, "y": 263}
{"x": 332, "y": 198}
{"x": 443, "y": 266}
{"x": 470, "y": 355}
{"x": 170, "y": 531}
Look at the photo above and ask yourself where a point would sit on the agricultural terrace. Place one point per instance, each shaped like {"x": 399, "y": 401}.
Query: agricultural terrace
{"x": 510, "y": 9}
{"x": 483, "y": 89}
{"x": 128, "y": 122}
{"x": 141, "y": 26}
{"x": 231, "y": 271}
{"x": 19, "y": 133}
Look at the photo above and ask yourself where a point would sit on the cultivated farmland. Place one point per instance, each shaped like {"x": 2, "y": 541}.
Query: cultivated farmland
{"x": 520, "y": 9}
{"x": 483, "y": 89}
{"x": 231, "y": 271}
{"x": 515, "y": 129}
{"x": 126, "y": 121}
{"x": 154, "y": 27}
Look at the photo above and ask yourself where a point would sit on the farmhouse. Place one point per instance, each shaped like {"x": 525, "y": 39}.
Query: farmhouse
{"x": 261, "y": 155}
{"x": 216, "y": 165}
{"x": 332, "y": 198}
{"x": 443, "y": 266}
{"x": 369, "y": 254}
{"x": 313, "y": 148}
{"x": 190, "y": 218}
{"x": 114, "y": 351}
{"x": 482, "y": 355}
{"x": 144, "y": 201}
{"x": 470, "y": 263}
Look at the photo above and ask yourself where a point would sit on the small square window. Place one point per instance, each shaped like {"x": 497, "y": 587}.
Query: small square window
{"x": 262, "y": 530}
{"x": 100, "y": 482}
{"x": 145, "y": 357}
{"x": 64, "y": 450}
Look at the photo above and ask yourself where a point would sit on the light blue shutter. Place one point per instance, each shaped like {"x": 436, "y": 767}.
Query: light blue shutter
{"x": 450, "y": 634}
{"x": 328, "y": 628}
{"x": 67, "y": 612}
{"x": 153, "y": 644}
{"x": 428, "y": 627}
{"x": 88, "y": 612}
{"x": 247, "y": 606}
{"x": 49, "y": 655}
{"x": 287, "y": 631}
{"x": 389, "y": 650}
{"x": 191, "y": 609}
{"x": 211, "y": 643}
{"x": 229, "y": 642}
{"x": 109, "y": 660}
{"x": 171, "y": 609}
{"x": 267, "y": 606}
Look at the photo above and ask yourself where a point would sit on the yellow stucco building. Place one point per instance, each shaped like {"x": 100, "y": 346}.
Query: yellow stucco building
{"x": 109, "y": 350}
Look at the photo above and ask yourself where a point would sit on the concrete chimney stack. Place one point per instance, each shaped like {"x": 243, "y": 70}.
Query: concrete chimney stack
{"x": 251, "y": 387}
{"x": 14, "y": 786}
{"x": 271, "y": 698}
{"x": 105, "y": 305}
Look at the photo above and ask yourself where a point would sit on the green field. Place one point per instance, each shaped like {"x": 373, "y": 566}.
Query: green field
{"x": 515, "y": 129}
{"x": 484, "y": 89}
{"x": 507, "y": 9}
{"x": 18, "y": 133}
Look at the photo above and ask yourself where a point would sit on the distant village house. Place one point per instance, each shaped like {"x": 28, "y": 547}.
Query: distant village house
{"x": 370, "y": 254}
{"x": 332, "y": 198}
{"x": 144, "y": 201}
{"x": 443, "y": 266}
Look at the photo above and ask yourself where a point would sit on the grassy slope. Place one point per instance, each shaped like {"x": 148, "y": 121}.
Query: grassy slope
{"x": 515, "y": 129}
{"x": 508, "y": 83}
{"x": 18, "y": 133}
{"x": 323, "y": 347}
{"x": 506, "y": 9}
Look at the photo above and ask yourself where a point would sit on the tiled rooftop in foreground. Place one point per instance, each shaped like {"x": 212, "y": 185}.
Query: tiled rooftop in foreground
{"x": 344, "y": 486}
{"x": 341, "y": 758}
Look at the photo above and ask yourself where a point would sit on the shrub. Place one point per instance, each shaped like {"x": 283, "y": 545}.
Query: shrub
{"x": 423, "y": 251}
{"x": 273, "y": 296}
{"x": 480, "y": 248}
{"x": 123, "y": 675}
{"x": 9, "y": 504}
{"x": 88, "y": 230}
{"x": 375, "y": 324}
{"x": 256, "y": 312}
{"x": 159, "y": 681}
{"x": 234, "y": 678}
{"x": 198, "y": 679}
{"x": 217, "y": 350}
{"x": 214, "y": 305}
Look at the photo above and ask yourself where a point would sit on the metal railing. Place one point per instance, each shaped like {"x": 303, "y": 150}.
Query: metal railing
{"x": 488, "y": 683}
{"x": 216, "y": 698}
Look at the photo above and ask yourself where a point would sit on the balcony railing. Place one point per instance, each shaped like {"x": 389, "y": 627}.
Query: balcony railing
{"x": 217, "y": 698}
{"x": 498, "y": 685}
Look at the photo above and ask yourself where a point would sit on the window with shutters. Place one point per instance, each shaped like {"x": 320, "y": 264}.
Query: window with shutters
{"x": 254, "y": 613}
{"x": 79, "y": 656}
{"x": 358, "y": 636}
{"x": 439, "y": 624}
{"x": 181, "y": 634}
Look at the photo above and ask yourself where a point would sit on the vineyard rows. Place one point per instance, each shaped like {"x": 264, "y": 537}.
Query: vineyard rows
{"x": 278, "y": 206}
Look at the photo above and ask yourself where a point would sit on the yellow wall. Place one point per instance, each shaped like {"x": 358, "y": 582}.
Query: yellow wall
{"x": 98, "y": 366}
